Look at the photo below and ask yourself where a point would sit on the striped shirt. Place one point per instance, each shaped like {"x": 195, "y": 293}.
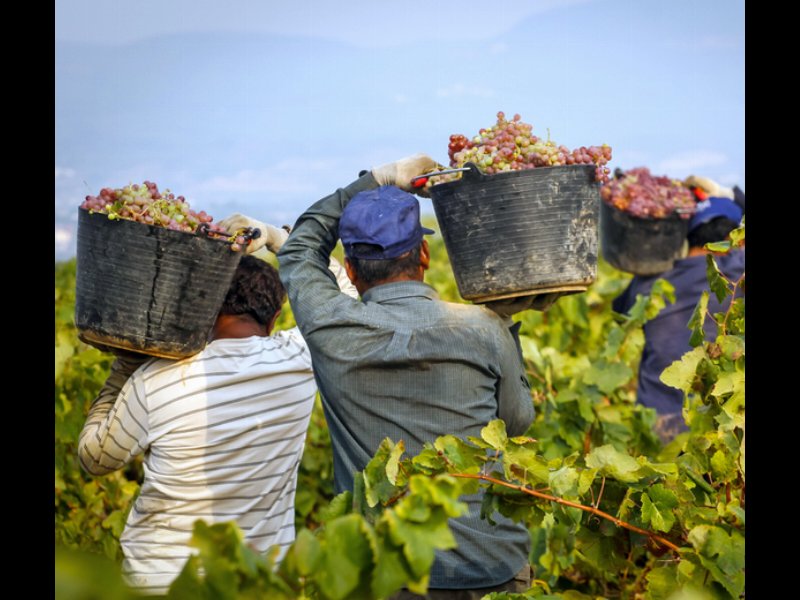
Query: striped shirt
{"x": 222, "y": 434}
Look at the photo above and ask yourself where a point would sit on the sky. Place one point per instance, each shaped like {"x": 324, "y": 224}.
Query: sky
{"x": 264, "y": 107}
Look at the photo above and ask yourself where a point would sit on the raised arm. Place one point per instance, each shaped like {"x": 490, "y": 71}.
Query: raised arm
{"x": 304, "y": 257}
{"x": 116, "y": 426}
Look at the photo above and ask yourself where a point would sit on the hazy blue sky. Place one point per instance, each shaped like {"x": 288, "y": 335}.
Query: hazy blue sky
{"x": 263, "y": 107}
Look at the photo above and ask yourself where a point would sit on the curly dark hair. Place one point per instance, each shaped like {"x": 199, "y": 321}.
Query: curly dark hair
{"x": 371, "y": 271}
{"x": 256, "y": 290}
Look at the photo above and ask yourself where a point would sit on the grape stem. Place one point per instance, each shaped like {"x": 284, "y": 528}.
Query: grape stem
{"x": 618, "y": 522}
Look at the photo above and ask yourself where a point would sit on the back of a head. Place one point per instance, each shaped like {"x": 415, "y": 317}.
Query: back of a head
{"x": 256, "y": 290}
{"x": 715, "y": 218}
{"x": 381, "y": 234}
{"x": 715, "y": 230}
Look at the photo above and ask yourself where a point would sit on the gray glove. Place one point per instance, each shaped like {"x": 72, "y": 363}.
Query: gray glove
{"x": 401, "y": 172}
{"x": 272, "y": 237}
{"x": 511, "y": 306}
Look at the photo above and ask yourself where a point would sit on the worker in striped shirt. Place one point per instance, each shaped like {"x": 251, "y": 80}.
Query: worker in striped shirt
{"x": 222, "y": 432}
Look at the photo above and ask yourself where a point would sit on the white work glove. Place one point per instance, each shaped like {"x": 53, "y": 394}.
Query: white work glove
{"x": 401, "y": 172}
{"x": 709, "y": 186}
{"x": 512, "y": 306}
{"x": 272, "y": 237}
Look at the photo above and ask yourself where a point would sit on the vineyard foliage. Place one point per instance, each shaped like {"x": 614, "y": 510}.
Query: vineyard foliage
{"x": 612, "y": 513}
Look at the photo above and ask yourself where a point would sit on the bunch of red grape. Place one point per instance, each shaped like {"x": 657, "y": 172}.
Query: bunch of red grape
{"x": 146, "y": 204}
{"x": 641, "y": 194}
{"x": 510, "y": 146}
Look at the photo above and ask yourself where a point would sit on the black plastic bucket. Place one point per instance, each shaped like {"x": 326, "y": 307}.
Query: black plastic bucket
{"x": 638, "y": 245}
{"x": 519, "y": 233}
{"x": 148, "y": 289}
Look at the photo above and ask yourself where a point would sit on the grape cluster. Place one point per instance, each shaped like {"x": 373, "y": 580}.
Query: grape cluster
{"x": 146, "y": 204}
{"x": 641, "y": 194}
{"x": 511, "y": 146}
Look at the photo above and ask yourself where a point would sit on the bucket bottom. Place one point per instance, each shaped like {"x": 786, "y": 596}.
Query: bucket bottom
{"x": 574, "y": 288}
{"x": 107, "y": 342}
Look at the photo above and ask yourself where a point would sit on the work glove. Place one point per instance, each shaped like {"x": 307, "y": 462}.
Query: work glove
{"x": 511, "y": 306}
{"x": 709, "y": 186}
{"x": 401, "y": 172}
{"x": 272, "y": 237}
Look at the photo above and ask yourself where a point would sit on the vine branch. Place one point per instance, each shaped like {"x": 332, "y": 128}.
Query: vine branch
{"x": 618, "y": 522}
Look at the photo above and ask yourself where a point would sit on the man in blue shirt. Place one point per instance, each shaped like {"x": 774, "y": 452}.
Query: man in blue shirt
{"x": 403, "y": 364}
{"x": 667, "y": 335}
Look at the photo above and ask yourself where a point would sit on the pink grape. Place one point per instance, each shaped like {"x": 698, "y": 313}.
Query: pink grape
{"x": 644, "y": 195}
{"x": 145, "y": 204}
{"x": 511, "y": 146}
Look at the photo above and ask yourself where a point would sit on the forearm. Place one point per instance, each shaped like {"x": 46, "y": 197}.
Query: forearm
{"x": 515, "y": 405}
{"x": 305, "y": 256}
{"x": 105, "y": 443}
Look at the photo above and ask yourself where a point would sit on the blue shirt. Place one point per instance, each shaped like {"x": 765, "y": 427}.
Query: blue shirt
{"x": 667, "y": 335}
{"x": 400, "y": 363}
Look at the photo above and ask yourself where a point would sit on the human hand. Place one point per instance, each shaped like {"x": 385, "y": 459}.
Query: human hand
{"x": 401, "y": 172}
{"x": 272, "y": 237}
{"x": 511, "y": 306}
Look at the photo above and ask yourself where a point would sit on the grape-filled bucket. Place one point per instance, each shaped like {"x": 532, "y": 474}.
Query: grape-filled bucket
{"x": 639, "y": 245}
{"x": 146, "y": 288}
{"x": 518, "y": 233}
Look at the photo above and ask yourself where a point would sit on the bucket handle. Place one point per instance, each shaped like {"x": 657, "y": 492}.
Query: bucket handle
{"x": 248, "y": 233}
{"x": 470, "y": 169}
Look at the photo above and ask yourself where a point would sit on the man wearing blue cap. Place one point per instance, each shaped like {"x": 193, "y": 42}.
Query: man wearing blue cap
{"x": 667, "y": 335}
{"x": 400, "y": 363}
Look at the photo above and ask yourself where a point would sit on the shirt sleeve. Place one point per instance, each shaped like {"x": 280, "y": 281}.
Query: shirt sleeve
{"x": 304, "y": 258}
{"x": 116, "y": 427}
{"x": 514, "y": 402}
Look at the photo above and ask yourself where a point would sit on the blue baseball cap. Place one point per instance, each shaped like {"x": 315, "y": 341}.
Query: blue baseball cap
{"x": 386, "y": 218}
{"x": 714, "y": 207}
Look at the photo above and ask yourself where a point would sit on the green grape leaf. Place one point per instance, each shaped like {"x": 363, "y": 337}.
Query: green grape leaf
{"x": 662, "y": 583}
{"x": 420, "y": 540}
{"x": 307, "y": 552}
{"x": 339, "y": 506}
{"x": 722, "y": 554}
{"x": 614, "y": 339}
{"x": 608, "y": 377}
{"x": 391, "y": 571}
{"x": 661, "y": 292}
{"x": 564, "y": 482}
{"x": 612, "y": 463}
{"x": 466, "y": 458}
{"x": 429, "y": 460}
{"x": 346, "y": 556}
{"x": 716, "y": 281}
{"x": 522, "y": 463}
{"x": 495, "y": 434}
{"x": 737, "y": 235}
{"x": 681, "y": 373}
{"x": 697, "y": 320}
{"x": 393, "y": 464}
{"x": 377, "y": 486}
{"x": 658, "y": 504}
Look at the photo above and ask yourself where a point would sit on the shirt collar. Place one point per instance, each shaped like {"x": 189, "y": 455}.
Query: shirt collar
{"x": 399, "y": 289}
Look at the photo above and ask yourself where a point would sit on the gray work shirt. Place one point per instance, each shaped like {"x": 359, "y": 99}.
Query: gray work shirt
{"x": 400, "y": 363}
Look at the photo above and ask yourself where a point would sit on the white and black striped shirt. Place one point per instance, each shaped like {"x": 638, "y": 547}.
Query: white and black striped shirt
{"x": 222, "y": 434}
